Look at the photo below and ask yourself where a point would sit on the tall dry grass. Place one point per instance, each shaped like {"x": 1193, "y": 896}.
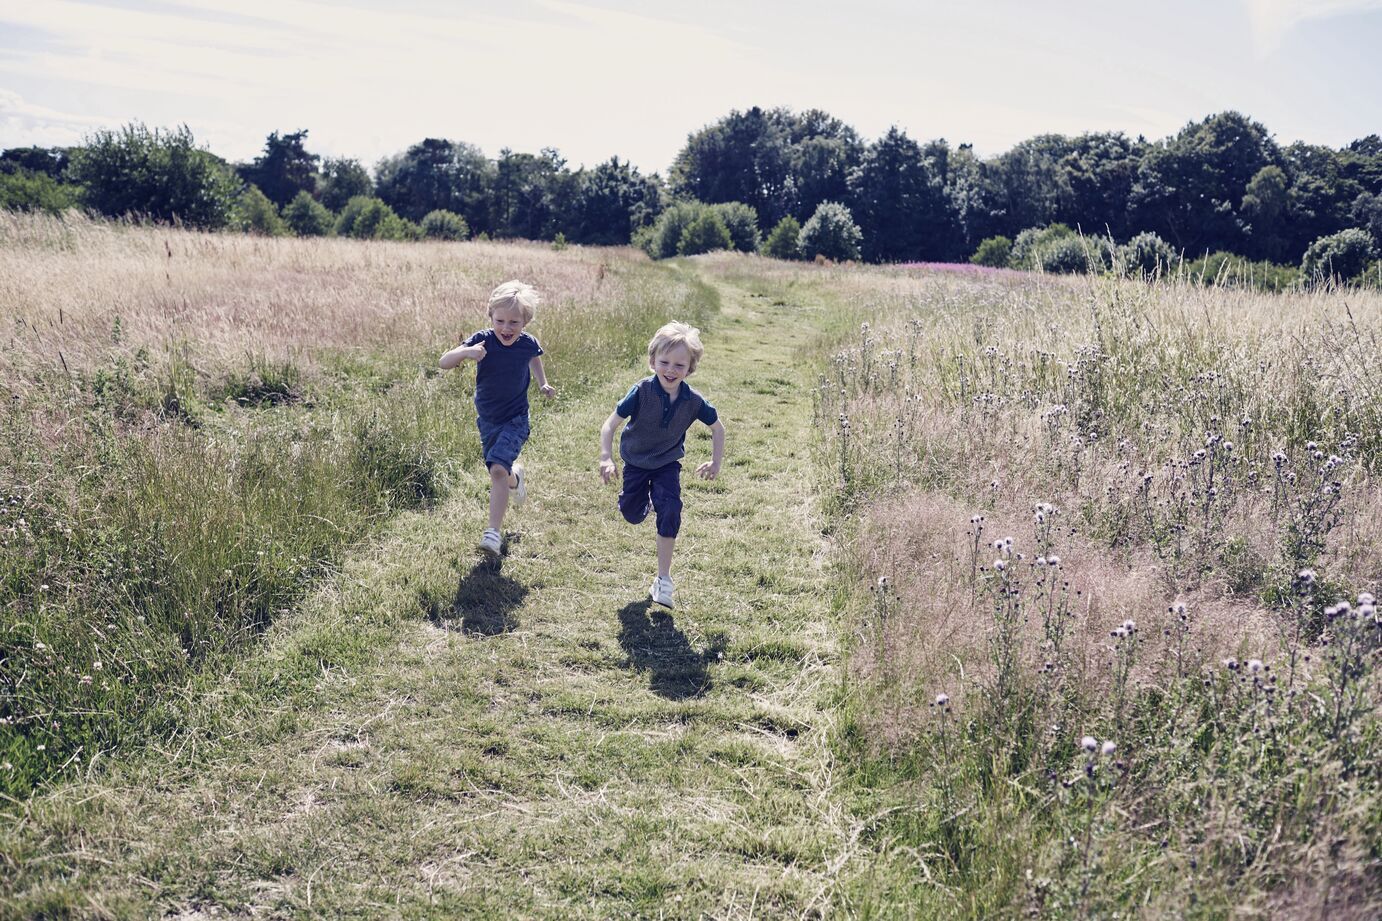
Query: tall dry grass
{"x": 195, "y": 425}
{"x": 1086, "y": 509}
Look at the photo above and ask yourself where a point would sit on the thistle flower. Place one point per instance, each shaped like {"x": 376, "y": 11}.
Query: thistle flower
{"x": 1000, "y": 565}
{"x": 1178, "y": 609}
{"x": 1108, "y": 748}
{"x": 1130, "y": 625}
{"x": 1366, "y": 598}
{"x": 1305, "y": 578}
{"x": 1231, "y": 664}
{"x": 1089, "y": 744}
{"x": 1255, "y": 666}
{"x": 1053, "y": 560}
{"x": 942, "y": 700}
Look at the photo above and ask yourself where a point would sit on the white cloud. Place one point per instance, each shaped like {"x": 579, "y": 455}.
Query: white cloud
{"x": 1272, "y": 20}
{"x": 573, "y": 70}
{"x": 23, "y": 123}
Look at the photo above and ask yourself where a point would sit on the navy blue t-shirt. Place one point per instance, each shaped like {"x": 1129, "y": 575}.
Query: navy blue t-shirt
{"x": 501, "y": 378}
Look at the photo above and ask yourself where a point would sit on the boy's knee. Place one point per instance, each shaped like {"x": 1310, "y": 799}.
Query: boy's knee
{"x": 498, "y": 472}
{"x": 633, "y": 514}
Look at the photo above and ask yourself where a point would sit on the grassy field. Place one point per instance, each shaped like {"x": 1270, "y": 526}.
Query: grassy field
{"x": 1017, "y": 595}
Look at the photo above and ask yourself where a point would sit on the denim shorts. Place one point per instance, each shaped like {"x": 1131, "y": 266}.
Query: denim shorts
{"x": 502, "y": 441}
{"x": 659, "y": 490}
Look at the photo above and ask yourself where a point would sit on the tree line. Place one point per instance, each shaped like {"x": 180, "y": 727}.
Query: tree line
{"x": 788, "y": 182}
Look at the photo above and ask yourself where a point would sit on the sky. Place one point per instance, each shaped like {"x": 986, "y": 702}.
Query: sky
{"x": 632, "y": 78}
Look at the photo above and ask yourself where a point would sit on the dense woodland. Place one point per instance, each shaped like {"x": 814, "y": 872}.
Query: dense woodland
{"x": 792, "y": 184}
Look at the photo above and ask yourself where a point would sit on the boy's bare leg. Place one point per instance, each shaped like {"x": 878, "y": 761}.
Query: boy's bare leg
{"x": 665, "y": 546}
{"x": 498, "y": 495}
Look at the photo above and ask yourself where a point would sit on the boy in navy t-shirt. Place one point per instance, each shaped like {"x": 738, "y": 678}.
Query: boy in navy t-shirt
{"x": 659, "y": 410}
{"x": 506, "y": 359}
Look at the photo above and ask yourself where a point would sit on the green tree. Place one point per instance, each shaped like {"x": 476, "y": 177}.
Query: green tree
{"x": 341, "y": 180}
{"x": 307, "y": 217}
{"x": 26, "y": 190}
{"x": 255, "y": 214}
{"x": 782, "y": 241}
{"x": 523, "y": 193}
{"x": 284, "y": 169}
{"x": 1343, "y": 255}
{"x": 830, "y": 233}
{"x": 742, "y": 223}
{"x": 439, "y": 174}
{"x": 155, "y": 174}
{"x": 1266, "y": 202}
{"x": 993, "y": 252}
{"x": 444, "y": 225}
{"x": 705, "y": 234}
{"x": 898, "y": 198}
{"x": 610, "y": 202}
{"x": 50, "y": 161}
{"x": 1189, "y": 188}
{"x": 743, "y": 157}
{"x": 1366, "y": 214}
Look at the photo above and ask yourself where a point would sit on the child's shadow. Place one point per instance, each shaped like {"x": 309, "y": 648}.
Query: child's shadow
{"x": 484, "y": 603}
{"x": 654, "y": 644}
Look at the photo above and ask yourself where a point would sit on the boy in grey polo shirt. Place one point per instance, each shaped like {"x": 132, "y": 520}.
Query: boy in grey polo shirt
{"x": 659, "y": 410}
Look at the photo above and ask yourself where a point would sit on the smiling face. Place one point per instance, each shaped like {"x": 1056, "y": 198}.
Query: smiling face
{"x": 671, "y": 367}
{"x": 508, "y": 323}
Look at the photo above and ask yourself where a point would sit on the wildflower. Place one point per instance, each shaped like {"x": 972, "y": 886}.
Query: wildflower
{"x": 1366, "y": 598}
{"x": 1231, "y": 664}
{"x": 1178, "y": 609}
{"x": 40, "y": 747}
{"x": 1130, "y": 625}
{"x": 85, "y": 679}
{"x": 1053, "y": 560}
{"x": 1305, "y": 578}
{"x": 40, "y": 647}
{"x": 1108, "y": 748}
{"x": 1279, "y": 459}
{"x": 1089, "y": 744}
{"x": 883, "y": 583}
{"x": 942, "y": 700}
{"x": 96, "y": 666}
{"x": 1000, "y": 565}
{"x": 1255, "y": 666}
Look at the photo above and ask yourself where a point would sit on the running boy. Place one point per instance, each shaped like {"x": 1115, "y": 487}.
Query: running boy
{"x": 659, "y": 410}
{"x": 506, "y": 359}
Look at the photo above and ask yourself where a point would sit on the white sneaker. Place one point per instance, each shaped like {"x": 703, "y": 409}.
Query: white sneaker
{"x": 490, "y": 542}
{"x": 661, "y": 592}
{"x": 518, "y": 494}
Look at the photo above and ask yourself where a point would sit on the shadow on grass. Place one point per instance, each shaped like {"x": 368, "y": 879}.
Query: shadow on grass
{"x": 484, "y": 603}
{"x": 654, "y": 644}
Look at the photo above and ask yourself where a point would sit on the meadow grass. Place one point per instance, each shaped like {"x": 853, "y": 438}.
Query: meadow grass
{"x": 1110, "y": 556}
{"x": 195, "y": 425}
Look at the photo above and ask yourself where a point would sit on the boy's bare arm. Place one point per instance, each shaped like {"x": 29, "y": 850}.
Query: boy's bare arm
{"x": 711, "y": 468}
{"x": 541, "y": 375}
{"x": 462, "y": 353}
{"x": 607, "y": 467}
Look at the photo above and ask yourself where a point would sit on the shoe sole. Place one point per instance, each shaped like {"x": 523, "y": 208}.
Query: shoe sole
{"x": 668, "y": 605}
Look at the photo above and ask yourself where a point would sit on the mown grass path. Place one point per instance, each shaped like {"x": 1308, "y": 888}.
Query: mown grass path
{"x": 535, "y": 741}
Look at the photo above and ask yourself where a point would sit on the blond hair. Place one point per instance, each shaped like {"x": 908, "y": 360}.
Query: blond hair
{"x": 674, "y": 334}
{"x": 518, "y": 294}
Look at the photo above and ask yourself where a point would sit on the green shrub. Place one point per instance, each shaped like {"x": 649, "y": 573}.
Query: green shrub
{"x": 741, "y": 221}
{"x": 25, "y": 190}
{"x": 1146, "y": 255}
{"x": 160, "y": 175}
{"x": 1074, "y": 255}
{"x": 703, "y": 235}
{"x": 1343, "y": 255}
{"x": 366, "y": 218}
{"x": 444, "y": 225}
{"x": 782, "y": 242}
{"x": 994, "y": 252}
{"x": 1030, "y": 241}
{"x": 307, "y": 217}
{"x": 255, "y": 214}
{"x": 831, "y": 232}
{"x": 1230, "y": 270}
{"x": 671, "y": 224}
